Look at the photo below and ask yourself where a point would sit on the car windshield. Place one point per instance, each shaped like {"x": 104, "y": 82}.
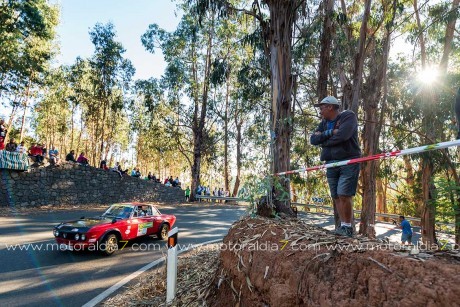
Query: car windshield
{"x": 119, "y": 211}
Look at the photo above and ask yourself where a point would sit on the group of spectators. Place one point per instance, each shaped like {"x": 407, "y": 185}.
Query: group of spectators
{"x": 206, "y": 191}
{"x": 37, "y": 152}
{"x": 70, "y": 157}
{"x": 170, "y": 182}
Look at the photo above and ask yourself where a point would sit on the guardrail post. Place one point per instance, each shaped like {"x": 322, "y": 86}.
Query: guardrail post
{"x": 171, "y": 273}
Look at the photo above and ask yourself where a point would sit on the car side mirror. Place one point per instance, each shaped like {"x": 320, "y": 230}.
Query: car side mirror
{"x": 114, "y": 220}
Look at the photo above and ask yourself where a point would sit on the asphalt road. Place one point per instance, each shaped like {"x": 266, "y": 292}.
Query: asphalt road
{"x": 47, "y": 277}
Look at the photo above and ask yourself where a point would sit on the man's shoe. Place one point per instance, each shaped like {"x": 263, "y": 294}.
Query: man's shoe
{"x": 344, "y": 231}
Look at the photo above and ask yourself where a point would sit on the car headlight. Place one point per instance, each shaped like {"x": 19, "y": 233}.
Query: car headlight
{"x": 56, "y": 233}
{"x": 77, "y": 237}
{"x": 83, "y": 237}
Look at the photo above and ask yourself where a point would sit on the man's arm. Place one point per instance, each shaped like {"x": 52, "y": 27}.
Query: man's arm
{"x": 345, "y": 131}
{"x": 320, "y": 136}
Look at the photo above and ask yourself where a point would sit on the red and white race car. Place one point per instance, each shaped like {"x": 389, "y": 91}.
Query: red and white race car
{"x": 121, "y": 222}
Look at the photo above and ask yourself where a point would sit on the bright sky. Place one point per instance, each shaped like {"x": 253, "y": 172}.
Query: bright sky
{"x": 130, "y": 18}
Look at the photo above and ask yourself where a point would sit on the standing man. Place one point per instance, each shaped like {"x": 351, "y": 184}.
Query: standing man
{"x": 187, "y": 194}
{"x": 406, "y": 235}
{"x": 337, "y": 134}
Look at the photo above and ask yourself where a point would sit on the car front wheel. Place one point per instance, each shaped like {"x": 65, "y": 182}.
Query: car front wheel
{"x": 163, "y": 232}
{"x": 109, "y": 244}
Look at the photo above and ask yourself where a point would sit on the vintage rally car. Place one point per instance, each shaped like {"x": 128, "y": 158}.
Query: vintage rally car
{"x": 121, "y": 222}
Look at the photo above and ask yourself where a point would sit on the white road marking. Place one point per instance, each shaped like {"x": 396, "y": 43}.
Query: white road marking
{"x": 130, "y": 277}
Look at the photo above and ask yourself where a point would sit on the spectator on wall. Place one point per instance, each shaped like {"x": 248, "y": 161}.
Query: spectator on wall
{"x": 3, "y": 131}
{"x": 82, "y": 159}
{"x": 103, "y": 165}
{"x": 36, "y": 153}
{"x": 54, "y": 155}
{"x": 70, "y": 157}
{"x": 21, "y": 148}
{"x": 11, "y": 146}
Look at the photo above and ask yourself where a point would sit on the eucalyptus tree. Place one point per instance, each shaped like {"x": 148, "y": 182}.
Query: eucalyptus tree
{"x": 83, "y": 103}
{"x": 189, "y": 54}
{"x": 439, "y": 26}
{"x": 111, "y": 75}
{"x": 374, "y": 95}
{"x": 156, "y": 142}
{"x": 27, "y": 30}
{"x": 52, "y": 111}
{"x": 276, "y": 20}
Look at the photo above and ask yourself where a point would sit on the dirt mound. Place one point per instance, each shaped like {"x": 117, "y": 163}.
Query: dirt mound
{"x": 290, "y": 263}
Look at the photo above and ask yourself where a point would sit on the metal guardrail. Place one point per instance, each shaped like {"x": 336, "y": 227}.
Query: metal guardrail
{"x": 358, "y": 212}
{"x": 387, "y": 215}
{"x": 202, "y": 197}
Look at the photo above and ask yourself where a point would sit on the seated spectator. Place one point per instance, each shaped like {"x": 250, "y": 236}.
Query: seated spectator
{"x": 103, "y": 165}
{"x": 171, "y": 180}
{"x": 2, "y": 133}
{"x": 54, "y": 155}
{"x": 176, "y": 182}
{"x": 136, "y": 172}
{"x": 71, "y": 156}
{"x": 43, "y": 147}
{"x": 82, "y": 159}
{"x": 36, "y": 153}
{"x": 167, "y": 184}
{"x": 149, "y": 176}
{"x": 166, "y": 180}
{"x": 117, "y": 168}
{"x": 11, "y": 146}
{"x": 21, "y": 148}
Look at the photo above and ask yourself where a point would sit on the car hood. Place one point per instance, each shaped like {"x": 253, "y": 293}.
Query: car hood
{"x": 84, "y": 224}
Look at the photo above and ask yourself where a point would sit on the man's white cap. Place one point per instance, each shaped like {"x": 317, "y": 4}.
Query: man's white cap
{"x": 328, "y": 100}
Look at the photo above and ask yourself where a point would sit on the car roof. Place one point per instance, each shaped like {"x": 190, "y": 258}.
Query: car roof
{"x": 134, "y": 204}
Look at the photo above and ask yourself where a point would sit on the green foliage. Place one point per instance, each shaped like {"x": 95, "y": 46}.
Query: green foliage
{"x": 27, "y": 29}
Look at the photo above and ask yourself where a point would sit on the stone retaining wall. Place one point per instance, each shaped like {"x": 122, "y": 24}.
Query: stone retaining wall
{"x": 74, "y": 184}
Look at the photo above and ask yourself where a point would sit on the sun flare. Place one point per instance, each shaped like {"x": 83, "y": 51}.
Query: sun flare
{"x": 428, "y": 75}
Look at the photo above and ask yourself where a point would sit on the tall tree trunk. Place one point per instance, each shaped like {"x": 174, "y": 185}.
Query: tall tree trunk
{"x": 72, "y": 126}
{"x": 457, "y": 207}
{"x": 450, "y": 28}
{"x": 421, "y": 37}
{"x": 428, "y": 216}
{"x": 23, "y": 121}
{"x": 25, "y": 104}
{"x": 380, "y": 202}
{"x": 238, "y": 158}
{"x": 14, "y": 109}
{"x": 359, "y": 58}
{"x": 372, "y": 126}
{"x": 104, "y": 114}
{"x": 325, "y": 55}
{"x": 199, "y": 122}
{"x": 227, "y": 95}
{"x": 282, "y": 15}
